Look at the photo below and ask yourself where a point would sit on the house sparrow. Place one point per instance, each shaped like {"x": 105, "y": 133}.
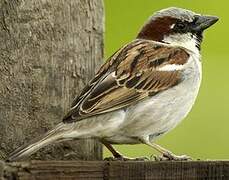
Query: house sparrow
{"x": 142, "y": 91}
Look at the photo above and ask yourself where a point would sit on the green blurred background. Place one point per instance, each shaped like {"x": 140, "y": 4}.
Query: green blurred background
{"x": 204, "y": 133}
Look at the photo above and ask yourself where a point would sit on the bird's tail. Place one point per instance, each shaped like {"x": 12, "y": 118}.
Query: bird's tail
{"x": 22, "y": 152}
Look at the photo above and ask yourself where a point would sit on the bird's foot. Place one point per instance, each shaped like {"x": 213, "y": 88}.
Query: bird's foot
{"x": 168, "y": 156}
{"x": 124, "y": 158}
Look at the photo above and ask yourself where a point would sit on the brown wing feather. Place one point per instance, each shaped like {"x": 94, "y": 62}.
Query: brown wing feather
{"x": 130, "y": 75}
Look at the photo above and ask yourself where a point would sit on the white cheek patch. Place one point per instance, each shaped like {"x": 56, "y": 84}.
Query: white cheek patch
{"x": 171, "y": 67}
{"x": 187, "y": 41}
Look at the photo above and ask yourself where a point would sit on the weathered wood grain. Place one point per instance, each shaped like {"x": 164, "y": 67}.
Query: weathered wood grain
{"x": 98, "y": 170}
{"x": 48, "y": 52}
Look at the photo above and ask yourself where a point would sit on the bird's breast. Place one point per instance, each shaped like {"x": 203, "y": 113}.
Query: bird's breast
{"x": 162, "y": 112}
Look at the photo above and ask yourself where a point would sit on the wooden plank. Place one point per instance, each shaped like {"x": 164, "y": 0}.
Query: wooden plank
{"x": 50, "y": 170}
{"x": 169, "y": 170}
{"x": 115, "y": 170}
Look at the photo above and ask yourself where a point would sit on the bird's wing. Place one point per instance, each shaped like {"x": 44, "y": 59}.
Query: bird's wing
{"x": 140, "y": 69}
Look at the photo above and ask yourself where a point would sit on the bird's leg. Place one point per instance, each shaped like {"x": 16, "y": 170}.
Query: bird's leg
{"x": 167, "y": 155}
{"x": 117, "y": 155}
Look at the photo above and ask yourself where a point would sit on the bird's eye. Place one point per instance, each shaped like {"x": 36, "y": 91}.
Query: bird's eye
{"x": 180, "y": 26}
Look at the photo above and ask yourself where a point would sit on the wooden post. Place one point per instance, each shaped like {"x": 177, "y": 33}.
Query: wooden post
{"x": 49, "y": 50}
{"x": 98, "y": 170}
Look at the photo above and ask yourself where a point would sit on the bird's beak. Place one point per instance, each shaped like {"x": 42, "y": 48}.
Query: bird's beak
{"x": 204, "y": 22}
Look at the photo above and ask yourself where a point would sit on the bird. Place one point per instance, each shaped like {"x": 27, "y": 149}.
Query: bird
{"x": 144, "y": 90}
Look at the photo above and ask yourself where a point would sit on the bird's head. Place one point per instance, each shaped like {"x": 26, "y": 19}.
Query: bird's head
{"x": 177, "y": 26}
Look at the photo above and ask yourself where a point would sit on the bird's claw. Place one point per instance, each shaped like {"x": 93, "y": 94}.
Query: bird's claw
{"x": 168, "y": 156}
{"x": 123, "y": 158}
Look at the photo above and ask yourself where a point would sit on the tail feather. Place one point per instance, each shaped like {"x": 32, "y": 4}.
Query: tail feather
{"x": 38, "y": 143}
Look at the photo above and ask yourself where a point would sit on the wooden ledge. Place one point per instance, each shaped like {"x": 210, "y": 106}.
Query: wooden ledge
{"x": 80, "y": 170}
